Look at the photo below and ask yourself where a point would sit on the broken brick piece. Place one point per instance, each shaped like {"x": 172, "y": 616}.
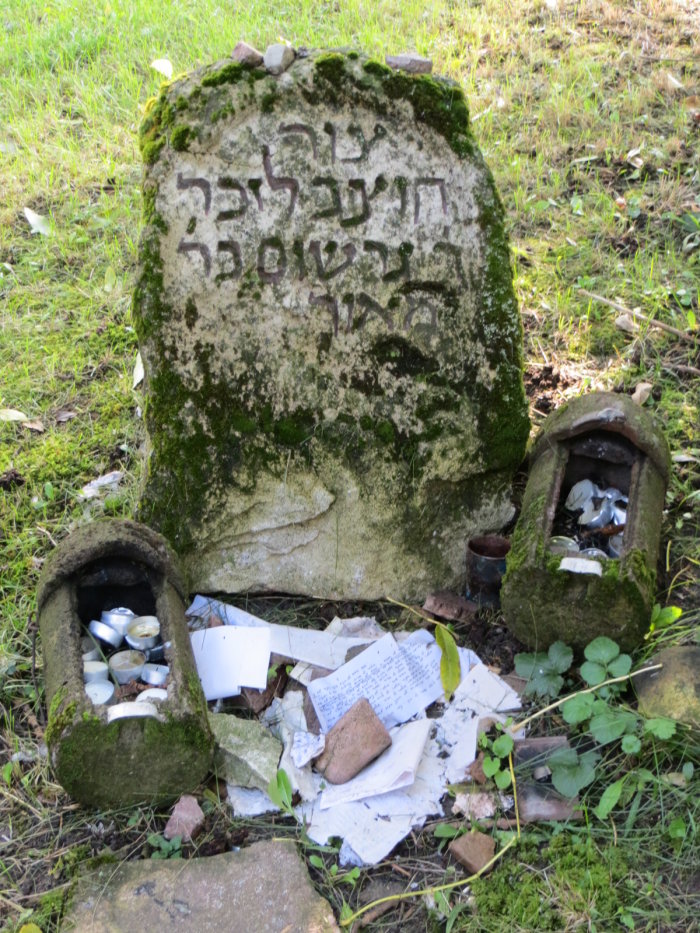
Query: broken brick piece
{"x": 473, "y": 850}
{"x": 356, "y": 739}
{"x": 186, "y": 819}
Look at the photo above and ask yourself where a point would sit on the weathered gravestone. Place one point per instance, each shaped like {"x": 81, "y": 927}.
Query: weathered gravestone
{"x": 331, "y": 343}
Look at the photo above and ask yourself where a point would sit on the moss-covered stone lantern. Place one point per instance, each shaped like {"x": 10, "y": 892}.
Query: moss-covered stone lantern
{"x": 549, "y": 595}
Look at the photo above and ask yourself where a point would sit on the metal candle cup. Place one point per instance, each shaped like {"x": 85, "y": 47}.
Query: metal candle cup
{"x": 94, "y": 670}
{"x": 143, "y": 632}
{"x": 152, "y": 695}
{"x": 100, "y": 691}
{"x": 155, "y": 674}
{"x": 131, "y": 710}
{"x": 105, "y": 633}
{"x": 126, "y": 665}
{"x": 486, "y": 564}
{"x": 118, "y": 619}
{"x": 89, "y": 649}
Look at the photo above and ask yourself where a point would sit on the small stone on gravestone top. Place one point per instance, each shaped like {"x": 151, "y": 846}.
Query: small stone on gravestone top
{"x": 325, "y": 311}
{"x": 411, "y": 63}
{"x": 247, "y": 55}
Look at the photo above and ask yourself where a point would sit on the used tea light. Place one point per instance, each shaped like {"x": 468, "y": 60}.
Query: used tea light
{"x": 155, "y": 674}
{"x": 118, "y": 618}
{"x": 152, "y": 695}
{"x": 126, "y": 665}
{"x": 143, "y": 632}
{"x": 100, "y": 691}
{"x": 89, "y": 649}
{"x": 105, "y": 633}
{"x": 130, "y": 710}
{"x": 94, "y": 670}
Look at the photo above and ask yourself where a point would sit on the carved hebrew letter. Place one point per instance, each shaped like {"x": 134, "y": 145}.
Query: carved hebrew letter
{"x": 272, "y": 276}
{"x": 365, "y": 145}
{"x": 324, "y": 273}
{"x": 429, "y": 182}
{"x": 186, "y": 247}
{"x": 277, "y": 183}
{"x": 329, "y": 129}
{"x": 255, "y": 184}
{"x": 232, "y": 184}
{"x": 303, "y": 130}
{"x": 357, "y": 184}
{"x": 183, "y": 184}
{"x": 370, "y": 305}
{"x": 329, "y": 182}
{"x": 234, "y": 250}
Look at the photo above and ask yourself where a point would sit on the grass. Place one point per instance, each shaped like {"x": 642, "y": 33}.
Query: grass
{"x": 595, "y": 151}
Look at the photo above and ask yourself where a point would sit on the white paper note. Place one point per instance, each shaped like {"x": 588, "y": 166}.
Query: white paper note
{"x": 321, "y": 649}
{"x": 398, "y": 680}
{"x": 395, "y": 768}
{"x": 229, "y": 658}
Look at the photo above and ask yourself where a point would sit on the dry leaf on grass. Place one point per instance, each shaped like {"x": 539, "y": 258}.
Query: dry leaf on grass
{"x": 642, "y": 392}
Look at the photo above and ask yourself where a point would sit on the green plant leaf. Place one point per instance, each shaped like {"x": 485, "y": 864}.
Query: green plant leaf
{"x": 502, "y": 779}
{"x": 317, "y": 862}
{"x": 610, "y": 725}
{"x": 688, "y": 770}
{"x": 445, "y": 831}
{"x": 610, "y": 797}
{"x": 450, "y": 667}
{"x": 7, "y": 773}
{"x": 602, "y": 650}
{"x": 630, "y": 744}
{"x": 526, "y": 664}
{"x": 660, "y": 728}
{"x": 577, "y": 708}
{"x": 279, "y": 790}
{"x": 345, "y": 913}
{"x": 620, "y": 666}
{"x": 677, "y": 828}
{"x": 593, "y": 673}
{"x": 503, "y": 746}
{"x": 570, "y": 771}
{"x": 490, "y": 766}
{"x": 560, "y": 657}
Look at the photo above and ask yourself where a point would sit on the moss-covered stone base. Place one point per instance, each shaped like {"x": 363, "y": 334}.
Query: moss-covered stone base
{"x": 127, "y": 761}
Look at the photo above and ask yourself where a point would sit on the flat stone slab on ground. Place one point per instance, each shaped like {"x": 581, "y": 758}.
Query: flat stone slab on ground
{"x": 264, "y": 887}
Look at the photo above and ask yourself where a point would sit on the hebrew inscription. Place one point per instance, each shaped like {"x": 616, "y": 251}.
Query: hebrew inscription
{"x": 330, "y": 338}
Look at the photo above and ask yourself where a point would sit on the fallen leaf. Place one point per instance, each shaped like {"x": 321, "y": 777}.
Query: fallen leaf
{"x": 37, "y": 222}
{"x": 642, "y": 392}
{"x": 138, "y": 371}
{"x": 11, "y": 414}
{"x": 110, "y": 279}
{"x": 63, "y": 416}
{"x": 163, "y": 66}
{"x": 37, "y": 426}
{"x": 11, "y": 478}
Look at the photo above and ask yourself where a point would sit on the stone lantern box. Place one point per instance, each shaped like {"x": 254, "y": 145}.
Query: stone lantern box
{"x": 609, "y": 438}
{"x": 129, "y": 760}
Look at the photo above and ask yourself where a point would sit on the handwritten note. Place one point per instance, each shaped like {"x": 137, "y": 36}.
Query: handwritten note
{"x": 398, "y": 680}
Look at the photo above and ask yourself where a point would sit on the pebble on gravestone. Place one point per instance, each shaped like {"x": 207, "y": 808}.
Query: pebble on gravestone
{"x": 331, "y": 343}
{"x": 247, "y": 55}
{"x": 411, "y": 63}
{"x": 278, "y": 58}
